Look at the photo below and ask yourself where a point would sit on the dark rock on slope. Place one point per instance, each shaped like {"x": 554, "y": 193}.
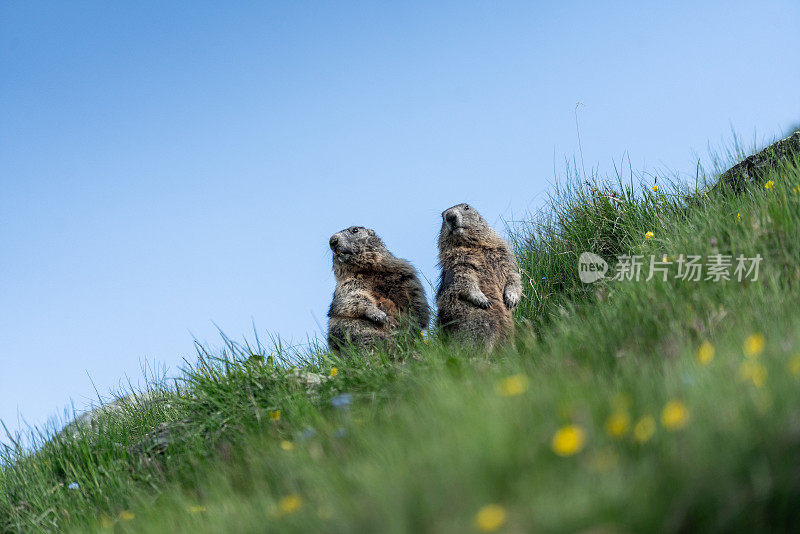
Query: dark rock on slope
{"x": 753, "y": 168}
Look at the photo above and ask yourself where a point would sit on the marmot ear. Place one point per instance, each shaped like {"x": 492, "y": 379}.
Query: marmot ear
{"x": 371, "y": 232}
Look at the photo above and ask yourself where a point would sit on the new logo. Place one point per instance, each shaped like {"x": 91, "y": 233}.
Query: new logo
{"x": 591, "y": 267}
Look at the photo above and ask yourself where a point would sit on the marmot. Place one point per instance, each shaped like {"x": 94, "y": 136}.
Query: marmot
{"x": 480, "y": 283}
{"x": 377, "y": 295}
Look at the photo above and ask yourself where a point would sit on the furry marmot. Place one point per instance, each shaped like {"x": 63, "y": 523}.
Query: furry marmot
{"x": 377, "y": 295}
{"x": 480, "y": 283}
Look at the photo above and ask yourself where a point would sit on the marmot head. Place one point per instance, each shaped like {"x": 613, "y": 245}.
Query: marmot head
{"x": 462, "y": 224}
{"x": 356, "y": 246}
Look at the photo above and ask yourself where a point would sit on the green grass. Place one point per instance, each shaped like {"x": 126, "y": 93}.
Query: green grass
{"x": 423, "y": 444}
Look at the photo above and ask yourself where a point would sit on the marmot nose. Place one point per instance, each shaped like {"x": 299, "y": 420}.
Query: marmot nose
{"x": 334, "y": 241}
{"x": 450, "y": 217}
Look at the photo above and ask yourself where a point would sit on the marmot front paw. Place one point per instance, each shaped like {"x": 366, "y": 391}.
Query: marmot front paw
{"x": 481, "y": 301}
{"x": 511, "y": 298}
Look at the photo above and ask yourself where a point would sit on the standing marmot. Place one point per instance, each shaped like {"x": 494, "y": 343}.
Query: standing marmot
{"x": 376, "y": 294}
{"x": 480, "y": 283}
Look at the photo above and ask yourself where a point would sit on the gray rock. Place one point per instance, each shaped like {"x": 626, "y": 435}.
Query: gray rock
{"x": 753, "y": 168}
{"x": 306, "y": 379}
{"x": 158, "y": 441}
{"x": 91, "y": 421}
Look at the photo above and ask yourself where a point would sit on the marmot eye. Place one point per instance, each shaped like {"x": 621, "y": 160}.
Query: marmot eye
{"x": 354, "y": 230}
{"x": 466, "y": 208}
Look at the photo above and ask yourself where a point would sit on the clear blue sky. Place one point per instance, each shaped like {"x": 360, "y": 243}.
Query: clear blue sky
{"x": 165, "y": 167}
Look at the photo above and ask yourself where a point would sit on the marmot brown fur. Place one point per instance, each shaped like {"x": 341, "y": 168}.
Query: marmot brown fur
{"x": 480, "y": 283}
{"x": 377, "y": 295}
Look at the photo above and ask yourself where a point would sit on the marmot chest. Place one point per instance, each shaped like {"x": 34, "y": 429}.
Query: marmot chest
{"x": 386, "y": 286}
{"x": 489, "y": 264}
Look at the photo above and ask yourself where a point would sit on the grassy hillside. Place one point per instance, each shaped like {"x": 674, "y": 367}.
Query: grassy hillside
{"x": 623, "y": 406}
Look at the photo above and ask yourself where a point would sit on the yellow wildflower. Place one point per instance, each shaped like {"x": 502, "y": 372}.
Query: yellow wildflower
{"x": 490, "y": 518}
{"x": 655, "y": 189}
{"x": 738, "y": 216}
{"x": 568, "y": 440}
{"x": 644, "y": 429}
{"x": 196, "y": 509}
{"x": 617, "y": 424}
{"x": 794, "y": 365}
{"x": 274, "y": 415}
{"x": 289, "y": 504}
{"x": 334, "y": 371}
{"x": 126, "y": 515}
{"x": 752, "y": 371}
{"x": 287, "y": 445}
{"x": 769, "y": 184}
{"x": 705, "y": 353}
{"x": 649, "y": 235}
{"x": 513, "y": 385}
{"x": 675, "y": 415}
{"x": 753, "y": 345}
{"x": 797, "y": 190}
